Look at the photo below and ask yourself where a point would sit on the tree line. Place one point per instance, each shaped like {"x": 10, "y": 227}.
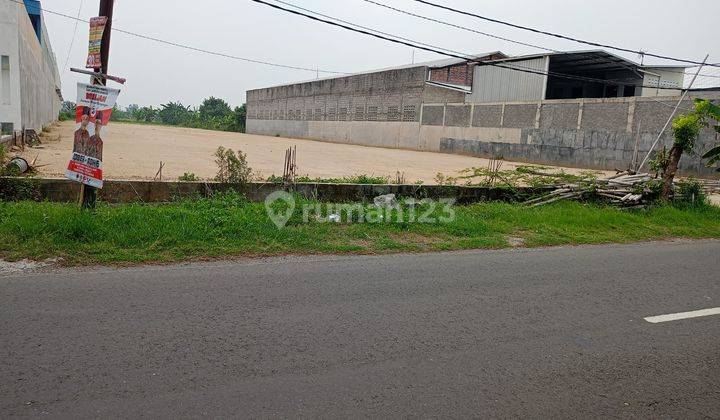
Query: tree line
{"x": 212, "y": 114}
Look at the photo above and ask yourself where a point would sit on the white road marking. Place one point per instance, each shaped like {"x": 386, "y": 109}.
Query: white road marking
{"x": 682, "y": 315}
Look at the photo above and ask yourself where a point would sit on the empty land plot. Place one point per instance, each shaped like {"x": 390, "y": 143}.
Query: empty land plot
{"x": 134, "y": 151}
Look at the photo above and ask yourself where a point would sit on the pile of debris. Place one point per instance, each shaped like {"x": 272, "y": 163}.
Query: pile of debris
{"x": 625, "y": 189}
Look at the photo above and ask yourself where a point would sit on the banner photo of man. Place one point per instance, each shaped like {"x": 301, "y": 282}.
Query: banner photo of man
{"x": 94, "y": 107}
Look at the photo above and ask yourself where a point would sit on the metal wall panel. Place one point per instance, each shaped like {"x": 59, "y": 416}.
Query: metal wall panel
{"x": 497, "y": 84}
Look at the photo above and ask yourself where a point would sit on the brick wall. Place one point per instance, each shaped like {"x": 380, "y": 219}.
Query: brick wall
{"x": 459, "y": 74}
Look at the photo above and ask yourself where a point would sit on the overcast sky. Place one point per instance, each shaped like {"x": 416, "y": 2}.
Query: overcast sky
{"x": 160, "y": 73}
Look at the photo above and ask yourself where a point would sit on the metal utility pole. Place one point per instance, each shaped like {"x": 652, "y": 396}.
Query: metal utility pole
{"x": 89, "y": 194}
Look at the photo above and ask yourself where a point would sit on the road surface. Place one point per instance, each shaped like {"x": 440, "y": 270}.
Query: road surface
{"x": 554, "y": 332}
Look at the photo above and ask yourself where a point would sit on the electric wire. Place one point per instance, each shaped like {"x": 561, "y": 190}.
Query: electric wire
{"x": 72, "y": 40}
{"x": 462, "y": 57}
{"x": 459, "y": 26}
{"x": 595, "y": 44}
{"x": 465, "y": 28}
{"x": 365, "y": 27}
{"x": 188, "y": 47}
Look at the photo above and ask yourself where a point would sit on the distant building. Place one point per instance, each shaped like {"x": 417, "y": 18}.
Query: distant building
{"x": 588, "y": 109}
{"x": 29, "y": 80}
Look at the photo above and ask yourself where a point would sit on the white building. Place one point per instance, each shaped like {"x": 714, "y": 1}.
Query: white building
{"x": 29, "y": 80}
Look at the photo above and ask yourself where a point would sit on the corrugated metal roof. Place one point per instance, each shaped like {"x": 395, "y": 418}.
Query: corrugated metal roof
{"x": 430, "y": 64}
{"x": 592, "y": 55}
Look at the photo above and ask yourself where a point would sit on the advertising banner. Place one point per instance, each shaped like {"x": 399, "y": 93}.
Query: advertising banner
{"x": 97, "y": 28}
{"x": 94, "y": 106}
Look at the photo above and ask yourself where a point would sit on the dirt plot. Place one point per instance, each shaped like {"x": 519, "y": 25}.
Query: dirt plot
{"x": 134, "y": 151}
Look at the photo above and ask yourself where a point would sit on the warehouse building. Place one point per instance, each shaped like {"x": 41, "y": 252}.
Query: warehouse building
{"x": 584, "y": 108}
{"x": 29, "y": 80}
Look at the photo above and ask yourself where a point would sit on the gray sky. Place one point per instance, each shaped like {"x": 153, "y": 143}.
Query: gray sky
{"x": 160, "y": 73}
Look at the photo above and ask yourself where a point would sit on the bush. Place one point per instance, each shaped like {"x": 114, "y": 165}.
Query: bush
{"x": 18, "y": 189}
{"x": 690, "y": 192}
{"x": 188, "y": 177}
{"x": 231, "y": 167}
{"x": 67, "y": 111}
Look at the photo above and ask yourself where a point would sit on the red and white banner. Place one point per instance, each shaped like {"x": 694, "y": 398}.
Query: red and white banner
{"x": 97, "y": 29}
{"x": 85, "y": 170}
{"x": 94, "y": 106}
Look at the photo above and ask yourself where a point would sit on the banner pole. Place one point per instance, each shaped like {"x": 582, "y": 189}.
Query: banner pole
{"x": 88, "y": 194}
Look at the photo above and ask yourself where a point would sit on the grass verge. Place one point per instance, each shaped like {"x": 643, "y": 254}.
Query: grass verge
{"x": 231, "y": 226}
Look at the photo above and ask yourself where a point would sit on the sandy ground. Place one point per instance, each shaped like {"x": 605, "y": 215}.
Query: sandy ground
{"x": 134, "y": 151}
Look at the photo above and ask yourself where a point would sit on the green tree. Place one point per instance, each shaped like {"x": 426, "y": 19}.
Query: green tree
{"x": 145, "y": 114}
{"x": 67, "y": 111}
{"x": 239, "y": 114}
{"x": 214, "y": 109}
{"x": 119, "y": 114}
{"x": 174, "y": 113}
{"x": 686, "y": 129}
{"x": 131, "y": 109}
{"x": 712, "y": 111}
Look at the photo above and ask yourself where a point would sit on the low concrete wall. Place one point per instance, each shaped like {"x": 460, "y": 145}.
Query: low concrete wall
{"x": 62, "y": 190}
{"x": 579, "y": 148}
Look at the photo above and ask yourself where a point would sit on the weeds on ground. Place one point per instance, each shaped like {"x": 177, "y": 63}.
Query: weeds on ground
{"x": 188, "y": 177}
{"x": 352, "y": 179}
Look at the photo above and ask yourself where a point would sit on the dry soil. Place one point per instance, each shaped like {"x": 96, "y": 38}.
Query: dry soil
{"x": 134, "y": 151}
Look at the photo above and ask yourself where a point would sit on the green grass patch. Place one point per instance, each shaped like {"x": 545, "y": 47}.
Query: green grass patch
{"x": 230, "y": 226}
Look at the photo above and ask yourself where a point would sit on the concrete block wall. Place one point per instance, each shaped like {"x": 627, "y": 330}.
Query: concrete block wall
{"x": 374, "y": 109}
{"x": 487, "y": 116}
{"x": 576, "y": 148}
{"x": 398, "y": 109}
{"x": 591, "y": 133}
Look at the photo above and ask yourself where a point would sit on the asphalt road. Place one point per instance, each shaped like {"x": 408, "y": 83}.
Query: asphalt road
{"x": 555, "y": 332}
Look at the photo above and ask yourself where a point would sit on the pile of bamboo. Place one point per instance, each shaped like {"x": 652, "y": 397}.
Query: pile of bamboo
{"x": 625, "y": 189}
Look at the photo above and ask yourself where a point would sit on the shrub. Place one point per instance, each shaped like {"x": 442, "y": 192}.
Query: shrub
{"x": 231, "y": 167}
{"x": 18, "y": 189}
{"x": 690, "y": 191}
{"x": 188, "y": 177}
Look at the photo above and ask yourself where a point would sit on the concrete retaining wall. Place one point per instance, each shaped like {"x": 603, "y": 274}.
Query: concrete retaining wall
{"x": 62, "y": 190}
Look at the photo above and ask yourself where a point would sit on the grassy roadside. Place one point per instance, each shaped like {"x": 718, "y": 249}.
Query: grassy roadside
{"x": 230, "y": 226}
